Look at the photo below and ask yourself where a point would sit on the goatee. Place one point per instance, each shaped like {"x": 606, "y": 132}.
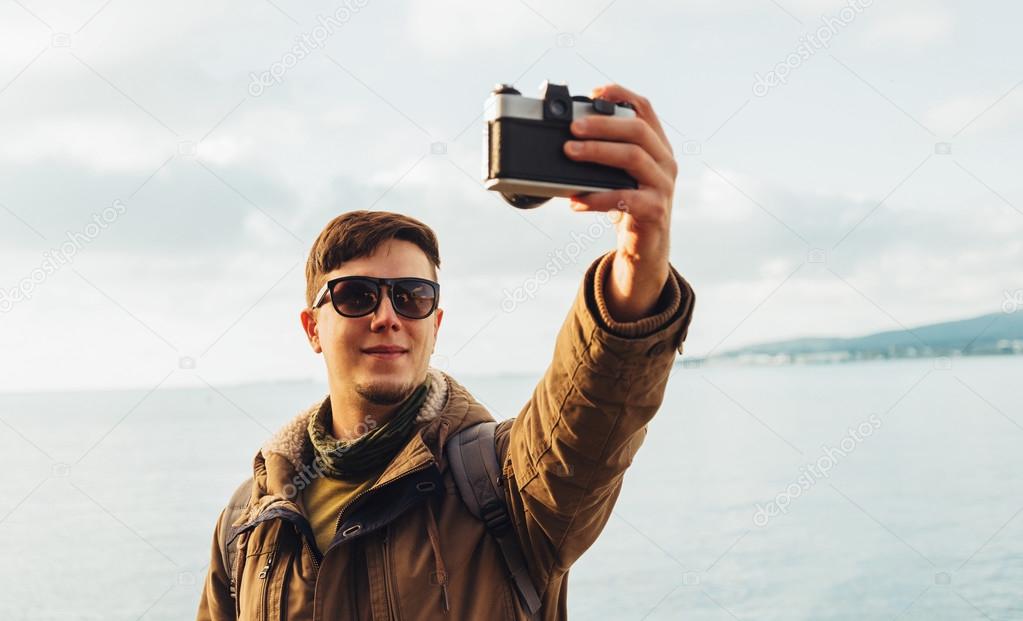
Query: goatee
{"x": 384, "y": 393}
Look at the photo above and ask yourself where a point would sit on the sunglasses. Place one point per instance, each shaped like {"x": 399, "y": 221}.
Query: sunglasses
{"x": 358, "y": 296}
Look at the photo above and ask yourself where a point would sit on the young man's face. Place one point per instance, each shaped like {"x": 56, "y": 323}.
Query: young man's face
{"x": 381, "y": 380}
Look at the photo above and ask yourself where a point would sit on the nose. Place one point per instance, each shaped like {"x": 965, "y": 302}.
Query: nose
{"x": 384, "y": 316}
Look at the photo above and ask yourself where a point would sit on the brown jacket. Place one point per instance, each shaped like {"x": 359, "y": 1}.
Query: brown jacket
{"x": 408, "y": 548}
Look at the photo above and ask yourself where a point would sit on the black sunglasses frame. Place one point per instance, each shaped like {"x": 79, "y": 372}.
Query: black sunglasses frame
{"x": 328, "y": 288}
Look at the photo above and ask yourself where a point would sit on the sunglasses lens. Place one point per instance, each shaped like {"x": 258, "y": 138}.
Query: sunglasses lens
{"x": 413, "y": 298}
{"x": 354, "y": 297}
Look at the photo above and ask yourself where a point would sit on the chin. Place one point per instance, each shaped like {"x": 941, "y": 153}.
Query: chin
{"x": 386, "y": 389}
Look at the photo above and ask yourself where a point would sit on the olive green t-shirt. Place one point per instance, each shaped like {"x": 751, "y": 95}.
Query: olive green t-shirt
{"x": 324, "y": 498}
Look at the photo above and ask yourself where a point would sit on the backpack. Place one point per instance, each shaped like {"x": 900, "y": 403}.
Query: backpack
{"x": 472, "y": 457}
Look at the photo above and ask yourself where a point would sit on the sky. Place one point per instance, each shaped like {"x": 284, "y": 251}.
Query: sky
{"x": 845, "y": 167}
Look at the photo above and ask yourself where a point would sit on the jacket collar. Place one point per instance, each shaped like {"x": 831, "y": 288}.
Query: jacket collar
{"x": 281, "y": 468}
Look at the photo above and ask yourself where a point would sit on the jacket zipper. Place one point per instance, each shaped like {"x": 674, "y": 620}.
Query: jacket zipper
{"x": 264, "y": 575}
{"x": 389, "y": 587}
{"x": 284, "y": 592}
{"x": 351, "y": 503}
{"x": 312, "y": 553}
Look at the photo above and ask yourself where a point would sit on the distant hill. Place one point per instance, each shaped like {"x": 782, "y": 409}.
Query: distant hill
{"x": 992, "y": 334}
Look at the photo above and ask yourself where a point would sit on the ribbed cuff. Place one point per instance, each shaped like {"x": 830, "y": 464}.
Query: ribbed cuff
{"x": 666, "y": 308}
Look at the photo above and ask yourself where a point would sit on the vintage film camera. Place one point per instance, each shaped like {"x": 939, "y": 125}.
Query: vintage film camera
{"x": 523, "y": 156}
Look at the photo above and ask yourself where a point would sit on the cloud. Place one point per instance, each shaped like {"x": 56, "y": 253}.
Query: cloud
{"x": 203, "y": 250}
{"x": 910, "y": 30}
{"x": 449, "y": 27}
{"x": 181, "y": 206}
{"x": 886, "y": 271}
{"x": 977, "y": 113}
{"x": 214, "y": 257}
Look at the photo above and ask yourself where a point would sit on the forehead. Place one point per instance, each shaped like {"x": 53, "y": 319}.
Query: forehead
{"x": 392, "y": 259}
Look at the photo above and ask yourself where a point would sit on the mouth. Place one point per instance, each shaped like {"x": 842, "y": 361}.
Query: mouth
{"x": 385, "y": 353}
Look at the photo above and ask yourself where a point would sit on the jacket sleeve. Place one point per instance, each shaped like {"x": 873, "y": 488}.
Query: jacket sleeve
{"x": 216, "y": 603}
{"x": 569, "y": 447}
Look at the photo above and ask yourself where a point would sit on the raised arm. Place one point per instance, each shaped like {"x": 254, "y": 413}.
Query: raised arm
{"x": 570, "y": 445}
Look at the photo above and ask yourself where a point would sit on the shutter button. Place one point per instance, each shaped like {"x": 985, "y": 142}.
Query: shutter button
{"x": 603, "y": 106}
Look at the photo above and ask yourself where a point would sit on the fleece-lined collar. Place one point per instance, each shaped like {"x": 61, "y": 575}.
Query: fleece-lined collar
{"x": 292, "y": 441}
{"x": 283, "y": 459}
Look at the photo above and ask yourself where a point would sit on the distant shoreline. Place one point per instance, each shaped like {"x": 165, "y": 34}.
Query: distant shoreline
{"x": 994, "y": 334}
{"x": 826, "y": 358}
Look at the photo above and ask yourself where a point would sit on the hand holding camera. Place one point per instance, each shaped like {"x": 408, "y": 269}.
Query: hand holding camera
{"x": 612, "y": 157}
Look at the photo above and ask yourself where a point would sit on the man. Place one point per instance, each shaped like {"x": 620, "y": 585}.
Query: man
{"x": 353, "y": 513}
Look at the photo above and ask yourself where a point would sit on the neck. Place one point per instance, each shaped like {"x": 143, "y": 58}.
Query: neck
{"x": 353, "y": 416}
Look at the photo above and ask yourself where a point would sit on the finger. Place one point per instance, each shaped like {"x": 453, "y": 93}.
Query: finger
{"x": 644, "y": 109}
{"x": 625, "y": 201}
{"x": 614, "y": 215}
{"x": 641, "y": 205}
{"x": 623, "y": 129}
{"x": 630, "y": 157}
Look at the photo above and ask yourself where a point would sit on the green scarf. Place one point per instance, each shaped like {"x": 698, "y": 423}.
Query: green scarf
{"x": 345, "y": 459}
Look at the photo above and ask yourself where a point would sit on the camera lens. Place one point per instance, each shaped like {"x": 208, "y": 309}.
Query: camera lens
{"x": 558, "y": 107}
{"x": 523, "y": 201}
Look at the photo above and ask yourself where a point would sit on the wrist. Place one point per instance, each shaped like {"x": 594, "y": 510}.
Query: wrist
{"x": 634, "y": 287}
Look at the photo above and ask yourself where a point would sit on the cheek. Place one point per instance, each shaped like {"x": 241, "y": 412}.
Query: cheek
{"x": 334, "y": 339}
{"x": 425, "y": 337}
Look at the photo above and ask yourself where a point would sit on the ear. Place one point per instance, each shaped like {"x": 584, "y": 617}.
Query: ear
{"x": 308, "y": 319}
{"x": 436, "y": 325}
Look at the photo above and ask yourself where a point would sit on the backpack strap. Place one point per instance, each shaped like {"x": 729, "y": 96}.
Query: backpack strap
{"x": 235, "y": 506}
{"x": 472, "y": 457}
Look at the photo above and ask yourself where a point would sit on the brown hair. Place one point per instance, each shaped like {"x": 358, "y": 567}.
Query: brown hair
{"x": 357, "y": 234}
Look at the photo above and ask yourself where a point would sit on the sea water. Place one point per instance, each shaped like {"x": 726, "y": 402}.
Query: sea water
{"x": 880, "y": 490}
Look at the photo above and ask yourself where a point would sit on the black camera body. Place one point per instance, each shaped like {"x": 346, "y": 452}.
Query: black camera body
{"x": 524, "y": 156}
